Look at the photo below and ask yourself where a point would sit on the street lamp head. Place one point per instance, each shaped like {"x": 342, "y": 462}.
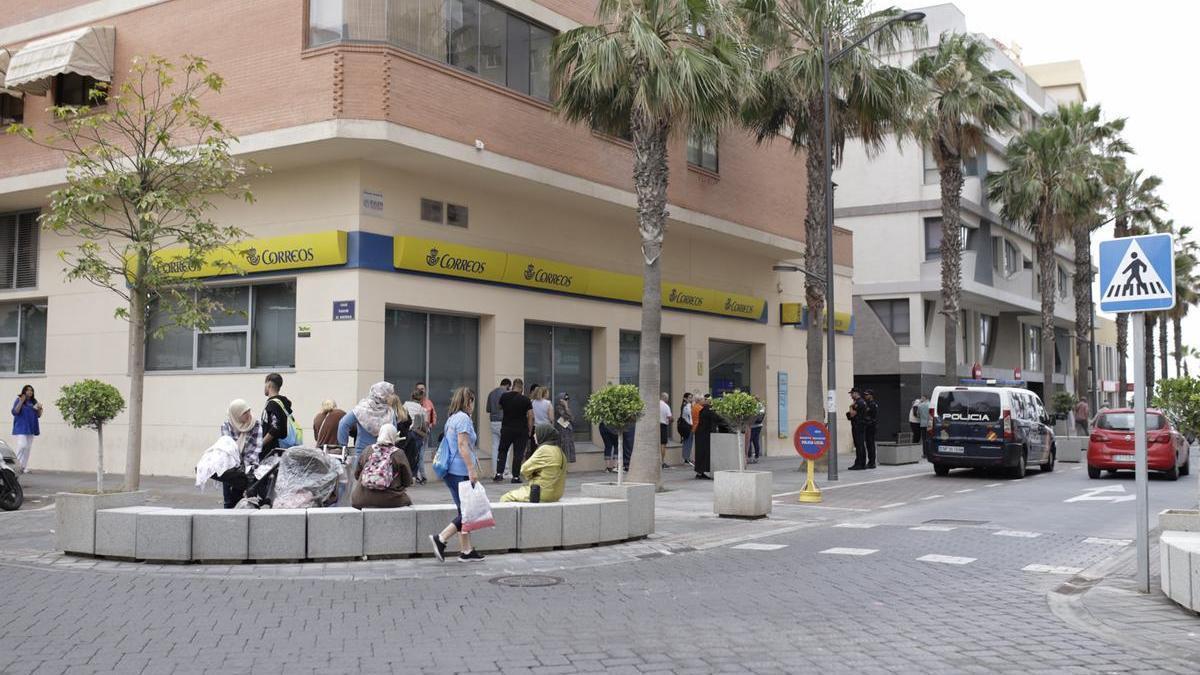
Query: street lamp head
{"x": 785, "y": 268}
{"x": 913, "y": 17}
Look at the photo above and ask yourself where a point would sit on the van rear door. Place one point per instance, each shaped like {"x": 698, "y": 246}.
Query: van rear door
{"x": 969, "y": 423}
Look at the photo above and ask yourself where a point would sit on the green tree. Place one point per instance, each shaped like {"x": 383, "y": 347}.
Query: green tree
{"x": 652, "y": 69}
{"x": 738, "y": 408}
{"x": 963, "y": 101}
{"x": 142, "y": 173}
{"x": 1180, "y": 399}
{"x": 617, "y": 406}
{"x": 868, "y": 100}
{"x": 90, "y": 404}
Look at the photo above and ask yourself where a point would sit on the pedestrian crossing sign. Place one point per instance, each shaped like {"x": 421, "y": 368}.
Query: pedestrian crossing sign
{"x": 1137, "y": 274}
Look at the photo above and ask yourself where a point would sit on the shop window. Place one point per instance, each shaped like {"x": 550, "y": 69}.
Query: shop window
{"x": 256, "y": 329}
{"x": 440, "y": 350}
{"x": 18, "y": 250}
{"x": 702, "y": 152}
{"x": 12, "y": 109}
{"x": 631, "y": 359}
{"x": 23, "y": 338}
{"x": 560, "y": 358}
{"x": 728, "y": 367}
{"x": 476, "y": 36}
{"x": 73, "y": 89}
{"x": 893, "y": 314}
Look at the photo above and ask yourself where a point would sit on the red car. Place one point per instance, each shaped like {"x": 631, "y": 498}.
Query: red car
{"x": 1111, "y": 444}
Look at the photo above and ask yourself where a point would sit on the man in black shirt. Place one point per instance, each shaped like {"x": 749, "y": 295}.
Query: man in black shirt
{"x": 274, "y": 415}
{"x": 872, "y": 419}
{"x": 516, "y": 424}
{"x": 858, "y": 417}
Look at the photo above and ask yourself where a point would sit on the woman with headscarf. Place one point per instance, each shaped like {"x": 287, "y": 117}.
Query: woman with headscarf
{"x": 388, "y": 446}
{"x": 243, "y": 427}
{"x": 367, "y": 418}
{"x": 564, "y": 423}
{"x": 545, "y": 471}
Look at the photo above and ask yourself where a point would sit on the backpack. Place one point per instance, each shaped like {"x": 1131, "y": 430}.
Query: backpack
{"x": 377, "y": 473}
{"x": 295, "y": 435}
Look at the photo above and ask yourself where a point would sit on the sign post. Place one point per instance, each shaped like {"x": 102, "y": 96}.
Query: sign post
{"x": 812, "y": 441}
{"x": 1137, "y": 275}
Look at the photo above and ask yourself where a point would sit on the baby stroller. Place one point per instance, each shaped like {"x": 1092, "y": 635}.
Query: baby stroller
{"x": 299, "y": 478}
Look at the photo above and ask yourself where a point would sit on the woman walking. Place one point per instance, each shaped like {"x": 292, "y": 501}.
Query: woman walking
{"x": 564, "y": 424}
{"x": 461, "y": 439}
{"x": 382, "y": 489}
{"x": 706, "y": 424}
{"x": 26, "y": 410}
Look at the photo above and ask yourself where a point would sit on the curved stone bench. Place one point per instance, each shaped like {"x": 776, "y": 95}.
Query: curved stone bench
{"x": 605, "y": 514}
{"x": 1179, "y": 560}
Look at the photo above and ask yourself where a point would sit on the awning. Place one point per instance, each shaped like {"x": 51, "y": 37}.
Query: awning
{"x": 83, "y": 51}
{"x": 4, "y": 58}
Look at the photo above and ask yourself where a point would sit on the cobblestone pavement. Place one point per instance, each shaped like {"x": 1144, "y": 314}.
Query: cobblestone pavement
{"x": 861, "y": 583}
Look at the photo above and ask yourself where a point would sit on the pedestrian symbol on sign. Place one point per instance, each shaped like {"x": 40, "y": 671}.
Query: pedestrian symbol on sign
{"x": 1135, "y": 279}
{"x": 1137, "y": 274}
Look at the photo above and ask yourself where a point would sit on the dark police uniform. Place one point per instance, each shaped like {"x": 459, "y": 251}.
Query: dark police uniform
{"x": 871, "y": 421}
{"x": 858, "y": 429}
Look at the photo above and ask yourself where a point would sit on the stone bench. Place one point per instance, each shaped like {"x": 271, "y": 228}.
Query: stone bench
{"x": 1179, "y": 564}
{"x": 605, "y": 514}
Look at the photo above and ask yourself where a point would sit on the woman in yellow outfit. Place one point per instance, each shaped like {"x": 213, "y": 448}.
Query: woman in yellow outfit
{"x": 545, "y": 469}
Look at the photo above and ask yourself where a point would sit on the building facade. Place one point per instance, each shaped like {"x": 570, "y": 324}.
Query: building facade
{"x": 892, "y": 203}
{"x": 427, "y": 217}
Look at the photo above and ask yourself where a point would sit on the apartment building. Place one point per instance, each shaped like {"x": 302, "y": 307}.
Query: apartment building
{"x": 892, "y": 203}
{"x": 427, "y": 217}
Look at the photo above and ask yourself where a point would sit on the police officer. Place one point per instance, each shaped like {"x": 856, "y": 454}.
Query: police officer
{"x": 857, "y": 414}
{"x": 872, "y": 419}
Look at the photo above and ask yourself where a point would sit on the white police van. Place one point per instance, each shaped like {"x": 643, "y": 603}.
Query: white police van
{"x": 982, "y": 426}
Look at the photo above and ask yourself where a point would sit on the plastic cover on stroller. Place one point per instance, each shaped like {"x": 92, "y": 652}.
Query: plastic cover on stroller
{"x": 307, "y": 478}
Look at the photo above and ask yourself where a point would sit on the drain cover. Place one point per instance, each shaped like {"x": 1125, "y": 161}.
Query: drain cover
{"x": 526, "y": 580}
{"x": 951, "y": 521}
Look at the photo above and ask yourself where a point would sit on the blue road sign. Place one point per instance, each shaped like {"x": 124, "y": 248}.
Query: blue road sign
{"x": 1137, "y": 274}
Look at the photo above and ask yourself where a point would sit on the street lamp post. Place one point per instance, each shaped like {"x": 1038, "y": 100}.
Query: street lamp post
{"x": 827, "y": 60}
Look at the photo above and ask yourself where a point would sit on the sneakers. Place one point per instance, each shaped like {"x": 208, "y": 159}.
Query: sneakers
{"x": 516, "y": 480}
{"x": 439, "y": 548}
{"x": 498, "y": 478}
{"x": 472, "y": 556}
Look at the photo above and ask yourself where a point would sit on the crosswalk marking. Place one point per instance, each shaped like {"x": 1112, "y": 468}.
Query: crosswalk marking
{"x": 857, "y": 526}
{"x": 959, "y": 492}
{"x": 752, "y": 546}
{"x": 1108, "y": 542}
{"x": 1052, "y": 569}
{"x": 946, "y": 559}
{"x": 838, "y": 550}
{"x": 1017, "y": 533}
{"x": 925, "y": 499}
{"x": 932, "y": 528}
{"x": 892, "y": 506}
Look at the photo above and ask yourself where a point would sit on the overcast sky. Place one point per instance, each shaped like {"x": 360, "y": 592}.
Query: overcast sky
{"x": 1139, "y": 59}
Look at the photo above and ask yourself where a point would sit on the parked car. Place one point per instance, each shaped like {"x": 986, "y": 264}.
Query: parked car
{"x": 984, "y": 427}
{"x": 1110, "y": 447}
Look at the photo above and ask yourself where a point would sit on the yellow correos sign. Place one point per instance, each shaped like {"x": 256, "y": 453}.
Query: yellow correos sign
{"x": 270, "y": 254}
{"x": 795, "y": 313}
{"x": 443, "y": 258}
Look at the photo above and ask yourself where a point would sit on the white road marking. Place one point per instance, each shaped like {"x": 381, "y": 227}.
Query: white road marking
{"x": 994, "y": 485}
{"x": 850, "y": 551}
{"x": 925, "y": 499}
{"x": 1052, "y": 569}
{"x": 1097, "y": 494}
{"x": 1077, "y": 468}
{"x": 847, "y": 485}
{"x": 752, "y": 546}
{"x": 959, "y": 492}
{"x": 827, "y": 508}
{"x": 1017, "y": 533}
{"x": 857, "y": 526}
{"x": 892, "y": 506}
{"x": 932, "y": 528}
{"x": 946, "y": 559}
{"x": 1108, "y": 542}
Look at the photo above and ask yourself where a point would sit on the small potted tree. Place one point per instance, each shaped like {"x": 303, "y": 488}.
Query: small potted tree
{"x": 1061, "y": 405}
{"x": 88, "y": 404}
{"x": 618, "y": 407}
{"x": 740, "y": 493}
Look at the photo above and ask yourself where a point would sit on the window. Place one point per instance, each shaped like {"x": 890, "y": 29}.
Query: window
{"x": 987, "y": 338}
{"x": 12, "y": 109}
{"x": 23, "y": 338}
{"x": 72, "y": 89}
{"x": 256, "y": 330}
{"x": 1006, "y": 258}
{"x": 433, "y": 211}
{"x": 456, "y": 215}
{"x": 702, "y": 152}
{"x": 560, "y": 358}
{"x": 893, "y": 314}
{"x": 929, "y": 306}
{"x": 728, "y": 367}
{"x": 1062, "y": 349}
{"x": 933, "y": 238}
{"x": 1064, "y": 282}
{"x": 933, "y": 176}
{"x": 631, "y": 358}
{"x": 476, "y": 36}
{"x": 18, "y": 250}
{"x": 1033, "y": 348}
{"x": 438, "y": 349}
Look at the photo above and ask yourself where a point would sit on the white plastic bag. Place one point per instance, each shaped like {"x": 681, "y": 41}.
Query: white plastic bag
{"x": 221, "y": 457}
{"x": 476, "y": 509}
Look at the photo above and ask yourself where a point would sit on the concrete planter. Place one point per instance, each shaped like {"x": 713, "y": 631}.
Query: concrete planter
{"x": 1179, "y": 520}
{"x": 1071, "y": 448}
{"x": 725, "y": 455}
{"x": 898, "y": 453}
{"x": 639, "y": 496}
{"x": 75, "y": 514}
{"x": 742, "y": 494}
{"x": 1179, "y": 567}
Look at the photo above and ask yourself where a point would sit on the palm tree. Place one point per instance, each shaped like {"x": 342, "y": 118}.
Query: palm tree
{"x": 1134, "y": 203}
{"x": 1158, "y": 320}
{"x": 868, "y": 100}
{"x": 1053, "y": 175}
{"x": 651, "y": 69}
{"x": 963, "y": 101}
{"x": 1187, "y": 291}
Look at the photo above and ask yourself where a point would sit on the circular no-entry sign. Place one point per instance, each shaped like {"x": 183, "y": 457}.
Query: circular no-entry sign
{"x": 811, "y": 440}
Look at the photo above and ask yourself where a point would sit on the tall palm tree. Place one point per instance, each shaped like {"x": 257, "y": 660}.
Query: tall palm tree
{"x": 1187, "y": 291}
{"x": 1134, "y": 204}
{"x": 652, "y": 69}
{"x": 868, "y": 100}
{"x": 1053, "y": 174}
{"x": 963, "y": 100}
{"x": 1157, "y": 321}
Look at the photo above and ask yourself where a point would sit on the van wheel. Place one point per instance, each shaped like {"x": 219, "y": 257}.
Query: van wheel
{"x": 1049, "y": 466}
{"x": 1093, "y": 472}
{"x": 1019, "y": 470}
{"x": 941, "y": 470}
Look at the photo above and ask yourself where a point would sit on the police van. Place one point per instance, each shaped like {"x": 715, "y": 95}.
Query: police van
{"x": 982, "y": 426}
